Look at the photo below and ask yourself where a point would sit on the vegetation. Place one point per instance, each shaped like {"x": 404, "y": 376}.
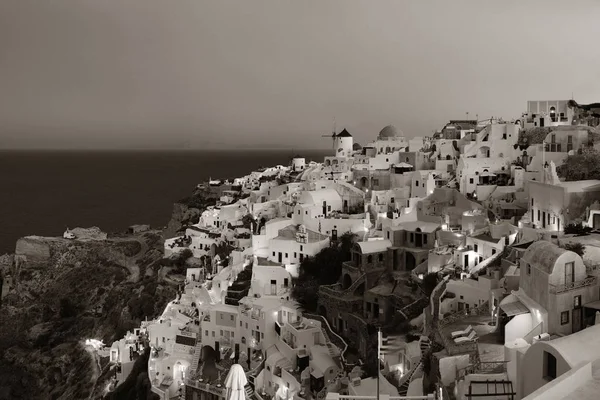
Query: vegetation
{"x": 577, "y": 228}
{"x": 430, "y": 281}
{"x": 581, "y": 166}
{"x": 324, "y": 268}
{"x": 578, "y": 248}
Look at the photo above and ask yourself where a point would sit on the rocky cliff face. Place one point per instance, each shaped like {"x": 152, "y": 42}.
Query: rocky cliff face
{"x": 66, "y": 291}
{"x": 181, "y": 216}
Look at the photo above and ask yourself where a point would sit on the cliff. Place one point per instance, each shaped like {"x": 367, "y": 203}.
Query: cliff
{"x": 65, "y": 291}
{"x": 187, "y": 211}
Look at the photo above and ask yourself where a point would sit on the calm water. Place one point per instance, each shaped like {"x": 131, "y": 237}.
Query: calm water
{"x": 42, "y": 193}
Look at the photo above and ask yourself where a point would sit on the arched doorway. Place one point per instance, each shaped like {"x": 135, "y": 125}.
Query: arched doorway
{"x": 553, "y": 114}
{"x": 346, "y": 281}
{"x": 364, "y": 182}
{"x": 322, "y": 311}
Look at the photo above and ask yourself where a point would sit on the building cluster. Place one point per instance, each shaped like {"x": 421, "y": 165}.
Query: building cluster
{"x": 466, "y": 246}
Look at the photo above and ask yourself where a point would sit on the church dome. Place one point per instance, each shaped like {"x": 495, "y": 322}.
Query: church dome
{"x": 389, "y": 131}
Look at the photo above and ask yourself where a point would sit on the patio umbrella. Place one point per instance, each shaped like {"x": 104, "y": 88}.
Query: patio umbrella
{"x": 235, "y": 383}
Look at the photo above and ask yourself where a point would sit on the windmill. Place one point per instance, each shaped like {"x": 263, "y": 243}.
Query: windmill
{"x": 333, "y": 134}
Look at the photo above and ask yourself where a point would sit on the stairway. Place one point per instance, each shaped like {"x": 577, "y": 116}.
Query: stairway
{"x": 403, "y": 389}
{"x": 249, "y": 391}
{"x": 196, "y": 359}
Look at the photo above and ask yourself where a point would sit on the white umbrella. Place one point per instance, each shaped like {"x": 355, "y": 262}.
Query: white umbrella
{"x": 236, "y": 382}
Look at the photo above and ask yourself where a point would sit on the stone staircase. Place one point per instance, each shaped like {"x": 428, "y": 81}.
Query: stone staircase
{"x": 196, "y": 359}
{"x": 249, "y": 391}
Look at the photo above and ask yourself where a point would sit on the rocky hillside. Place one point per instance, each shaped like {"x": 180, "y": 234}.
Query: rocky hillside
{"x": 65, "y": 291}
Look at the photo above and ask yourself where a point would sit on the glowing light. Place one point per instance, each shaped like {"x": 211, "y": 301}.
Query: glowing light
{"x": 96, "y": 344}
{"x": 445, "y": 227}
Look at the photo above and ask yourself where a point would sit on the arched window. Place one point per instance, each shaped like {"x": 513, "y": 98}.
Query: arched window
{"x": 553, "y": 114}
{"x": 369, "y": 259}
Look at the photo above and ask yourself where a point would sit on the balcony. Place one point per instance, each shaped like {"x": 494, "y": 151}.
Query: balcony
{"x": 556, "y": 289}
{"x": 251, "y": 313}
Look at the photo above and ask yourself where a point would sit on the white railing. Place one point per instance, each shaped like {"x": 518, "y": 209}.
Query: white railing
{"x": 537, "y": 330}
{"x": 573, "y": 285}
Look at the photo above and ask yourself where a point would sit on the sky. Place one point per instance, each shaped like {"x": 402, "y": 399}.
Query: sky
{"x": 274, "y": 74}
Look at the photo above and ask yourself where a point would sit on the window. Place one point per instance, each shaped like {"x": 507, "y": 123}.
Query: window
{"x": 369, "y": 259}
{"x": 475, "y": 247}
{"x": 576, "y": 301}
{"x": 232, "y": 335}
{"x": 549, "y": 366}
{"x": 231, "y": 316}
{"x": 493, "y": 251}
{"x": 564, "y": 317}
{"x": 205, "y": 333}
{"x": 417, "y": 183}
{"x": 538, "y": 215}
{"x": 470, "y": 180}
{"x": 301, "y": 249}
{"x": 328, "y": 208}
{"x": 298, "y": 212}
{"x": 388, "y": 234}
{"x": 424, "y": 239}
{"x": 240, "y": 324}
{"x": 286, "y": 255}
{"x": 295, "y": 254}
{"x": 412, "y": 237}
{"x": 380, "y": 257}
{"x": 213, "y": 333}
{"x": 532, "y": 202}
{"x": 273, "y": 254}
{"x": 528, "y": 269}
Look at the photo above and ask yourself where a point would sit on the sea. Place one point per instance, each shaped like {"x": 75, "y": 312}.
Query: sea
{"x": 44, "y": 192}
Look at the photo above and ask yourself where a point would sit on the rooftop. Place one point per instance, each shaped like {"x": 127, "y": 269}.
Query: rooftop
{"x": 486, "y": 237}
{"x": 374, "y": 246}
{"x": 543, "y": 255}
{"x": 424, "y": 226}
{"x": 579, "y": 347}
{"x": 581, "y": 186}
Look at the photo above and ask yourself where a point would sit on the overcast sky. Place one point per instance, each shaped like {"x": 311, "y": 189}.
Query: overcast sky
{"x": 253, "y": 73}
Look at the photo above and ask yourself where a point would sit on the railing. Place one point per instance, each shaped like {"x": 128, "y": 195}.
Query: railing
{"x": 556, "y": 289}
{"x": 356, "y": 284}
{"x": 219, "y": 391}
{"x": 537, "y": 330}
{"x": 341, "y": 343}
{"x": 491, "y": 367}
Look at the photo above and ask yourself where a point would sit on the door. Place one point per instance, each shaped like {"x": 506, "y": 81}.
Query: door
{"x": 577, "y": 319}
{"x": 542, "y": 122}
{"x": 569, "y": 273}
{"x": 273, "y": 287}
{"x": 466, "y": 261}
{"x": 279, "y": 257}
{"x": 596, "y": 221}
{"x": 544, "y": 219}
{"x": 345, "y": 205}
{"x": 418, "y": 240}
{"x": 325, "y": 208}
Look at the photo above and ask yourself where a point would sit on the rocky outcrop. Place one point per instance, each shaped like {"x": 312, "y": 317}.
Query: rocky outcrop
{"x": 181, "y": 216}
{"x": 66, "y": 291}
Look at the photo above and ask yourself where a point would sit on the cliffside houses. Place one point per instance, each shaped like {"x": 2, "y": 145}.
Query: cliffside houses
{"x": 459, "y": 249}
